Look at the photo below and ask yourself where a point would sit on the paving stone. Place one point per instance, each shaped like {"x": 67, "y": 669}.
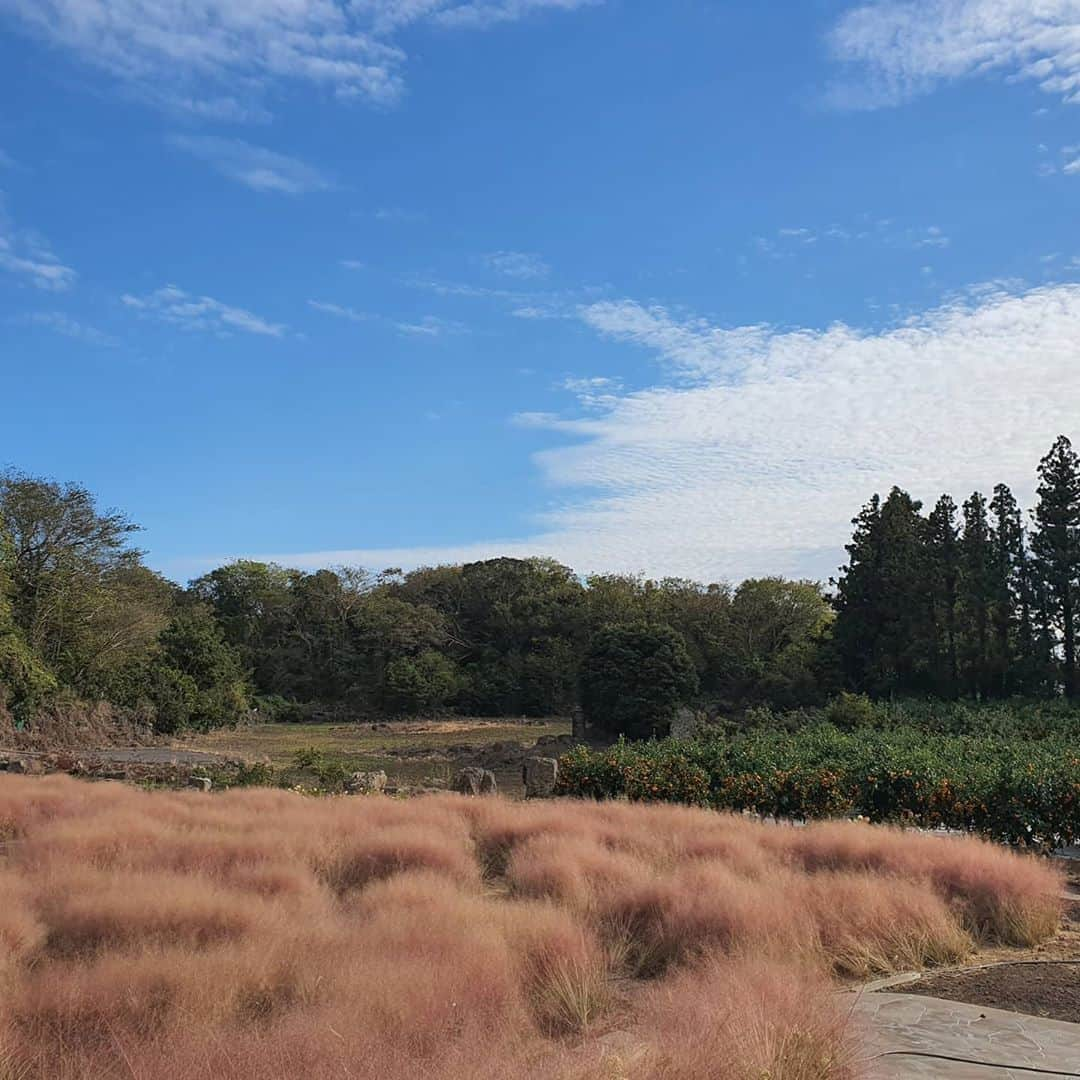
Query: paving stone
{"x": 899, "y": 1022}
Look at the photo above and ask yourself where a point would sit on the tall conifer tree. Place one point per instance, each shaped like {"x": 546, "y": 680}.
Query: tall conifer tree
{"x": 976, "y": 593}
{"x": 1056, "y": 546}
{"x": 943, "y": 540}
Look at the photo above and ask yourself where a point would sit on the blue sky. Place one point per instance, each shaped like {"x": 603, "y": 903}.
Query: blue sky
{"x": 652, "y": 287}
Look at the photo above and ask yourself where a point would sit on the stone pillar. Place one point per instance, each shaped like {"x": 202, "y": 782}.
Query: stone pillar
{"x": 577, "y": 719}
{"x": 540, "y": 775}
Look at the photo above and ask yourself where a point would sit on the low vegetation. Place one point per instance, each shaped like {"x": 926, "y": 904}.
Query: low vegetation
{"x": 1022, "y": 792}
{"x": 257, "y": 933}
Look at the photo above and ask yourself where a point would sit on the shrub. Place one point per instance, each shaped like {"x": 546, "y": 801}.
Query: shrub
{"x": 1021, "y": 792}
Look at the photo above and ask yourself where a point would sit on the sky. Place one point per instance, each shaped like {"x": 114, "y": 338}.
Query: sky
{"x": 668, "y": 288}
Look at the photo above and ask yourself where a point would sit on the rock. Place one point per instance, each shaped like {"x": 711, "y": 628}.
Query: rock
{"x": 28, "y": 766}
{"x": 540, "y": 775}
{"x": 473, "y": 780}
{"x": 200, "y": 783}
{"x": 366, "y": 783}
{"x": 684, "y": 725}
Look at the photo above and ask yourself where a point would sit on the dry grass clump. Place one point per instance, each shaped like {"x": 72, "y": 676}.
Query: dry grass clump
{"x": 260, "y": 934}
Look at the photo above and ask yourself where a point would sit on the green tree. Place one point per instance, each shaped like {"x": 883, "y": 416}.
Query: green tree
{"x": 1011, "y": 626}
{"x": 635, "y": 677}
{"x": 882, "y": 636}
{"x": 78, "y": 592}
{"x": 977, "y": 595}
{"x": 1056, "y": 547}
{"x": 943, "y": 542}
{"x": 421, "y": 684}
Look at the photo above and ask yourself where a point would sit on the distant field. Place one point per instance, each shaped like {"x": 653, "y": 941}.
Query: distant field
{"x": 262, "y": 935}
{"x": 411, "y": 752}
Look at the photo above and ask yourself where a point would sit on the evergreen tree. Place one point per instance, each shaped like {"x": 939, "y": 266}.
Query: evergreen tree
{"x": 1056, "y": 546}
{"x": 943, "y": 542}
{"x": 882, "y": 630}
{"x": 976, "y": 594}
{"x": 1007, "y": 541}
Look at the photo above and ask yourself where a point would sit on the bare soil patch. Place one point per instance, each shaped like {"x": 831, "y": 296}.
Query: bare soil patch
{"x": 1044, "y": 981}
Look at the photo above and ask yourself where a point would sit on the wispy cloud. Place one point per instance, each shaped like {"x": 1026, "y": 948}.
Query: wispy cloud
{"x": 61, "y": 323}
{"x": 215, "y": 58}
{"x": 902, "y": 48}
{"x": 340, "y": 312}
{"x": 517, "y": 264}
{"x": 788, "y": 242}
{"x": 431, "y": 326}
{"x": 253, "y": 166}
{"x": 27, "y": 255}
{"x": 351, "y": 264}
{"x": 178, "y": 308}
{"x": 757, "y": 465}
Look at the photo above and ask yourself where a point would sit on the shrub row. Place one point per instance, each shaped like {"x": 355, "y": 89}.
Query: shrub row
{"x": 1019, "y": 792}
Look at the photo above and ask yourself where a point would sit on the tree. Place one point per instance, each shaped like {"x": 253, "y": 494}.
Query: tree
{"x": 24, "y": 679}
{"x": 202, "y": 670}
{"x": 771, "y": 642}
{"x": 78, "y": 592}
{"x": 1011, "y": 626}
{"x": 943, "y": 541}
{"x": 882, "y": 636}
{"x": 421, "y": 684}
{"x": 635, "y": 677}
{"x": 977, "y": 594}
{"x": 1056, "y": 547}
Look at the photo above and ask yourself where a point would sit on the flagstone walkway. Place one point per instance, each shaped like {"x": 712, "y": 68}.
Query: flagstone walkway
{"x": 906, "y": 1031}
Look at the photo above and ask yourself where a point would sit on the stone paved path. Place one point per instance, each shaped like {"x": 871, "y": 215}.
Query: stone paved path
{"x": 913, "y": 1022}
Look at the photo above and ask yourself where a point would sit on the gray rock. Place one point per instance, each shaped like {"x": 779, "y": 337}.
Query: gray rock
{"x": 684, "y": 725}
{"x": 366, "y": 783}
{"x": 200, "y": 783}
{"x": 473, "y": 780}
{"x": 540, "y": 775}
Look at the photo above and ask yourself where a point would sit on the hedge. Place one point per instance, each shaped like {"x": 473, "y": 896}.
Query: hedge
{"x": 1020, "y": 792}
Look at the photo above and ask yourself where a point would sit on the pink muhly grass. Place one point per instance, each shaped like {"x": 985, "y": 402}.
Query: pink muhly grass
{"x": 259, "y": 934}
{"x": 744, "y": 1020}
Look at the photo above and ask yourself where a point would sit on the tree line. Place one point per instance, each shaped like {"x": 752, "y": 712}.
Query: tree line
{"x": 977, "y": 600}
{"x": 973, "y": 601}
{"x": 83, "y": 618}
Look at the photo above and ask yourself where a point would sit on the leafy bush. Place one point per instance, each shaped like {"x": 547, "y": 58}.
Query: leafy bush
{"x": 1023, "y": 792}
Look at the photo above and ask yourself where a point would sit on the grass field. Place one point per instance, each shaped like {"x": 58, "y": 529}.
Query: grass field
{"x": 411, "y": 752}
{"x": 263, "y": 934}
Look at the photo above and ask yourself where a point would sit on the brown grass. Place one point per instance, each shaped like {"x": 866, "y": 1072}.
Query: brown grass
{"x": 160, "y": 936}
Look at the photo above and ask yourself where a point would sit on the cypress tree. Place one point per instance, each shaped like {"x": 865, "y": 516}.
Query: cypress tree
{"x": 943, "y": 542}
{"x": 976, "y": 593}
{"x": 1007, "y": 540}
{"x": 1056, "y": 546}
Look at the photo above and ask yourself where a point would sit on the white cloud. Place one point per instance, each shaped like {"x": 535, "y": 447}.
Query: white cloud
{"x": 517, "y": 264}
{"x": 340, "y": 312}
{"x": 254, "y": 166}
{"x": 759, "y": 463}
{"x": 215, "y": 57}
{"x": 178, "y": 308}
{"x": 431, "y": 326}
{"x": 352, "y": 264}
{"x": 29, "y": 256}
{"x": 61, "y": 323}
{"x": 903, "y": 48}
